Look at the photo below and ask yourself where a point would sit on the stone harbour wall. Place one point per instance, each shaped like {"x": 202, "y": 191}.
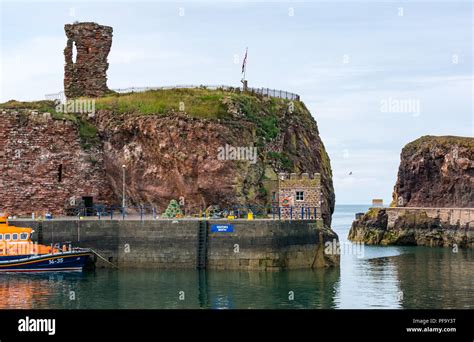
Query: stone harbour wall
{"x": 258, "y": 244}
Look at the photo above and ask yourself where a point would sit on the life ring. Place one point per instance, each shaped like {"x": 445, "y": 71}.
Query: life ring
{"x": 285, "y": 201}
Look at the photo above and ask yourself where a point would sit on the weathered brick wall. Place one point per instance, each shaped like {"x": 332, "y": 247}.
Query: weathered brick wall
{"x": 87, "y": 76}
{"x": 42, "y": 165}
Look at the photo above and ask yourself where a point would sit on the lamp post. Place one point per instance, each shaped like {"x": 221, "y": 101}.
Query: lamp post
{"x": 123, "y": 187}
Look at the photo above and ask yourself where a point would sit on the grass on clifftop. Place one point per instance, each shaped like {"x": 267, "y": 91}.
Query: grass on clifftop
{"x": 265, "y": 112}
{"x": 443, "y": 140}
{"x": 201, "y": 103}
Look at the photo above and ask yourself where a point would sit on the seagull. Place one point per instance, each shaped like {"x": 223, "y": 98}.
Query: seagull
{"x": 350, "y": 173}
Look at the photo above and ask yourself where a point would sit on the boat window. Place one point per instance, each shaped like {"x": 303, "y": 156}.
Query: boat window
{"x": 1, "y": 236}
{"x": 7, "y": 236}
{"x": 15, "y": 236}
{"x": 24, "y": 236}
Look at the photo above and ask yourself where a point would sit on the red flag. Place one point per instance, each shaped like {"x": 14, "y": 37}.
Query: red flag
{"x": 245, "y": 61}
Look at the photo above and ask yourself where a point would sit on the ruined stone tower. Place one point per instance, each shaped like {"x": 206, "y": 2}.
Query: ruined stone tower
{"x": 87, "y": 75}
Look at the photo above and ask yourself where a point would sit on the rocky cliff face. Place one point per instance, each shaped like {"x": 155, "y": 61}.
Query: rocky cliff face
{"x": 176, "y": 153}
{"x": 436, "y": 172}
{"x": 169, "y": 142}
{"x": 433, "y": 198}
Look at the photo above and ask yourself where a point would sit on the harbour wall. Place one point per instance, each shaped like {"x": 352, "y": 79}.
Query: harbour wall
{"x": 415, "y": 226}
{"x": 257, "y": 244}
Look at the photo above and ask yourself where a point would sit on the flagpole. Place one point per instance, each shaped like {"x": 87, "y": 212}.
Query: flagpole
{"x": 245, "y": 66}
{"x": 244, "y": 81}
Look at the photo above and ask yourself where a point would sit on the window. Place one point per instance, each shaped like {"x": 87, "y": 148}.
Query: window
{"x": 7, "y": 236}
{"x": 300, "y": 196}
{"x": 1, "y": 237}
{"x": 274, "y": 196}
{"x": 15, "y": 236}
{"x": 60, "y": 173}
{"x": 23, "y": 236}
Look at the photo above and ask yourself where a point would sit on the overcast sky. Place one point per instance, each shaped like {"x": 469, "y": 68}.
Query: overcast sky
{"x": 351, "y": 62}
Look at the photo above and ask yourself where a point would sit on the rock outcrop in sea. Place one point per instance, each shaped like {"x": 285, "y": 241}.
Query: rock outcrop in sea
{"x": 433, "y": 198}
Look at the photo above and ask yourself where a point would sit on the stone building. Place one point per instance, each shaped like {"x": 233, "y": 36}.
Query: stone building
{"x": 85, "y": 72}
{"x": 298, "y": 196}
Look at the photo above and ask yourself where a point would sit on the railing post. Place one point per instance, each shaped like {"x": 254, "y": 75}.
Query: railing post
{"x": 123, "y": 213}
{"x": 154, "y": 213}
{"x": 141, "y": 212}
{"x": 302, "y": 213}
{"x": 308, "y": 215}
{"x": 291, "y": 213}
{"x": 111, "y": 214}
{"x": 279, "y": 213}
{"x": 315, "y": 212}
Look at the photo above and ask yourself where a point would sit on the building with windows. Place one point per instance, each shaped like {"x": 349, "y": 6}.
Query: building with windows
{"x": 298, "y": 196}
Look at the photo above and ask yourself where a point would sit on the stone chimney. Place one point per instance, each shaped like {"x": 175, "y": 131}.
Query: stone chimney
{"x": 87, "y": 75}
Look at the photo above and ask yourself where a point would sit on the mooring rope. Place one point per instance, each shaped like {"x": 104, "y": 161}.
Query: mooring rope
{"x": 100, "y": 256}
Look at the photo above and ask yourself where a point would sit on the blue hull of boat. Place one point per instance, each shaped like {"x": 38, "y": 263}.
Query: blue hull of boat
{"x": 64, "y": 262}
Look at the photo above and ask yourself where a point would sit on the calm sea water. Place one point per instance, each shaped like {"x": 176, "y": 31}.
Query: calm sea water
{"x": 380, "y": 277}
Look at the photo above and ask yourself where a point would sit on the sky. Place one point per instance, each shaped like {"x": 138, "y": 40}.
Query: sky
{"x": 375, "y": 75}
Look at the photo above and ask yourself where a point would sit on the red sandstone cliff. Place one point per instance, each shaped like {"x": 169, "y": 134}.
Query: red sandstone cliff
{"x": 436, "y": 172}
{"x": 167, "y": 154}
{"x": 174, "y": 155}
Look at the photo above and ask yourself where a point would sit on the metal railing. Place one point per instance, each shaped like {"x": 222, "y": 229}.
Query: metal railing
{"x": 282, "y": 94}
{"x": 149, "y": 212}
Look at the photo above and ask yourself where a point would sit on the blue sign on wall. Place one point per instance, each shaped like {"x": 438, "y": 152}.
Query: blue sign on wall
{"x": 222, "y": 228}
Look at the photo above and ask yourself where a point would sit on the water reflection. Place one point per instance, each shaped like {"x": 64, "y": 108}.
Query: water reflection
{"x": 229, "y": 289}
{"x": 436, "y": 278}
{"x": 386, "y": 277}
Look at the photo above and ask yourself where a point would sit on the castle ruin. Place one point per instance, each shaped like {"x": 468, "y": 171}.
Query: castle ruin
{"x": 85, "y": 72}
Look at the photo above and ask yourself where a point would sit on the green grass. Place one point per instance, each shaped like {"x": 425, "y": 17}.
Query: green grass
{"x": 284, "y": 161}
{"x": 432, "y": 140}
{"x": 40, "y": 106}
{"x": 266, "y": 113}
{"x": 199, "y": 102}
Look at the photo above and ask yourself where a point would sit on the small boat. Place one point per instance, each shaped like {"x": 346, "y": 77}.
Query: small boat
{"x": 18, "y": 253}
